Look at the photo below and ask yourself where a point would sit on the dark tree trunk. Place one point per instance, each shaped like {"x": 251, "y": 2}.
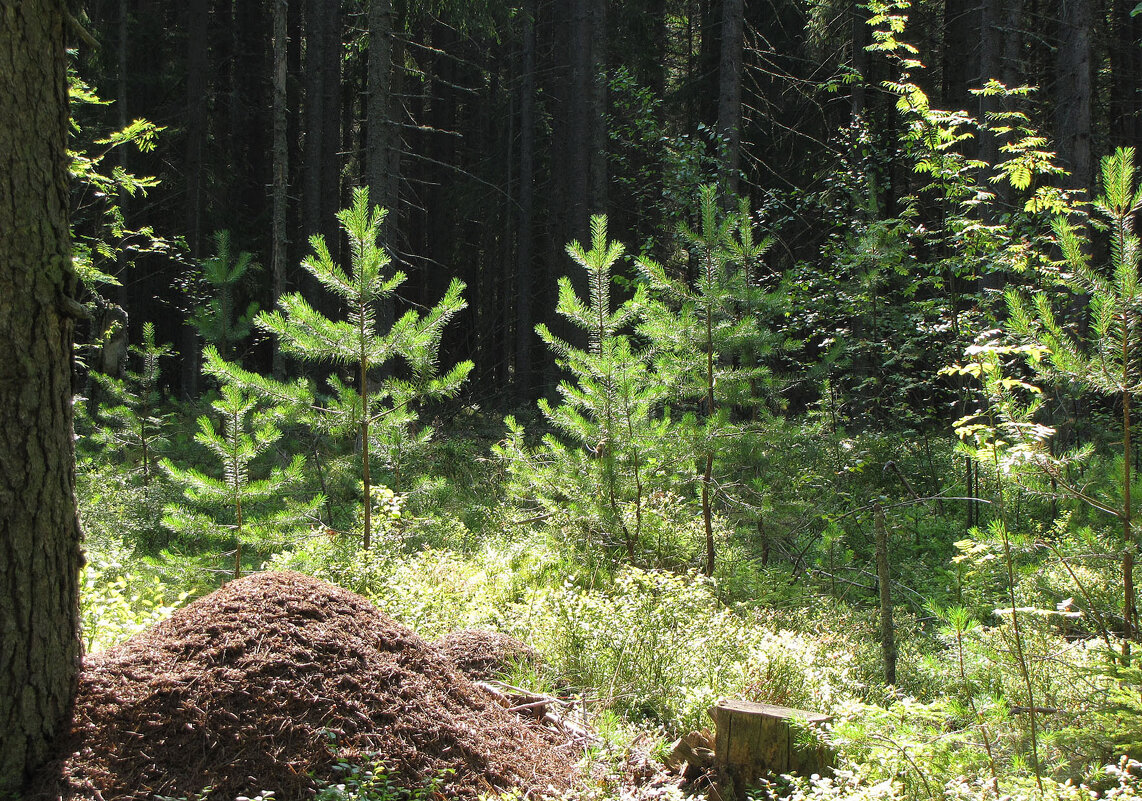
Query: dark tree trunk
{"x": 197, "y": 83}
{"x": 730, "y": 97}
{"x": 858, "y": 101}
{"x": 1000, "y": 42}
{"x": 278, "y": 252}
{"x": 331, "y": 124}
{"x": 1073, "y": 92}
{"x": 382, "y": 137}
{"x": 1124, "y": 74}
{"x": 322, "y": 121}
{"x": 315, "y": 23}
{"x": 961, "y": 51}
{"x": 252, "y": 116}
{"x": 524, "y": 334}
{"x": 597, "y": 108}
{"x": 39, "y": 529}
{"x": 579, "y": 109}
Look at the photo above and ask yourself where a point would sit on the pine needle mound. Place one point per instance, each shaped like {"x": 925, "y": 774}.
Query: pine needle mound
{"x": 485, "y": 655}
{"x": 264, "y": 683}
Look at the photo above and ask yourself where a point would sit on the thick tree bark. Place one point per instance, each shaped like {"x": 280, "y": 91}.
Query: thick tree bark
{"x": 39, "y": 529}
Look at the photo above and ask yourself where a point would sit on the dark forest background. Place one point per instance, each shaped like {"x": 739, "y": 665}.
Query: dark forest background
{"x": 493, "y": 131}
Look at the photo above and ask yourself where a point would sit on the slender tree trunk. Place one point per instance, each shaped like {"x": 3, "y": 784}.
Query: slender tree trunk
{"x": 366, "y": 479}
{"x": 578, "y": 161}
{"x": 708, "y": 471}
{"x": 858, "y": 101}
{"x": 998, "y": 60}
{"x": 278, "y": 257}
{"x": 331, "y": 127}
{"x": 316, "y": 21}
{"x": 121, "y": 108}
{"x": 884, "y": 581}
{"x": 39, "y": 528}
{"x": 1129, "y": 612}
{"x": 730, "y": 99}
{"x": 197, "y": 82}
{"x": 597, "y": 109}
{"x": 524, "y": 333}
{"x": 383, "y": 138}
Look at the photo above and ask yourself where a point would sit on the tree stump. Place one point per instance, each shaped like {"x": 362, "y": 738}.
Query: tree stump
{"x": 754, "y": 739}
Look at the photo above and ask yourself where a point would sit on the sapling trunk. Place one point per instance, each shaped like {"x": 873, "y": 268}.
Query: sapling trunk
{"x": 1129, "y": 614}
{"x": 884, "y": 579}
{"x": 236, "y": 486}
{"x": 707, "y": 475}
{"x": 960, "y": 623}
{"x": 365, "y": 480}
{"x": 238, "y": 548}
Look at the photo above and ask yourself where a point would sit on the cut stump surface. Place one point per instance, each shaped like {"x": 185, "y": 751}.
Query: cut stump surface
{"x": 755, "y": 739}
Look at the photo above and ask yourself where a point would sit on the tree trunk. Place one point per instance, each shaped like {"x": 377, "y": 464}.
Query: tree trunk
{"x": 331, "y": 124}
{"x": 730, "y": 99}
{"x": 382, "y": 142}
{"x": 278, "y": 252}
{"x": 961, "y": 51}
{"x": 525, "y": 336}
{"x": 197, "y": 82}
{"x": 597, "y": 109}
{"x": 312, "y": 210}
{"x": 858, "y": 101}
{"x": 1124, "y": 74}
{"x": 39, "y": 529}
{"x": 884, "y": 581}
{"x": 383, "y": 135}
{"x": 1073, "y": 92}
{"x": 322, "y": 120}
{"x": 579, "y": 161}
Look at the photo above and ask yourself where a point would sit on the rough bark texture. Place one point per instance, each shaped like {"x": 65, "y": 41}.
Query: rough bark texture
{"x": 39, "y": 531}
